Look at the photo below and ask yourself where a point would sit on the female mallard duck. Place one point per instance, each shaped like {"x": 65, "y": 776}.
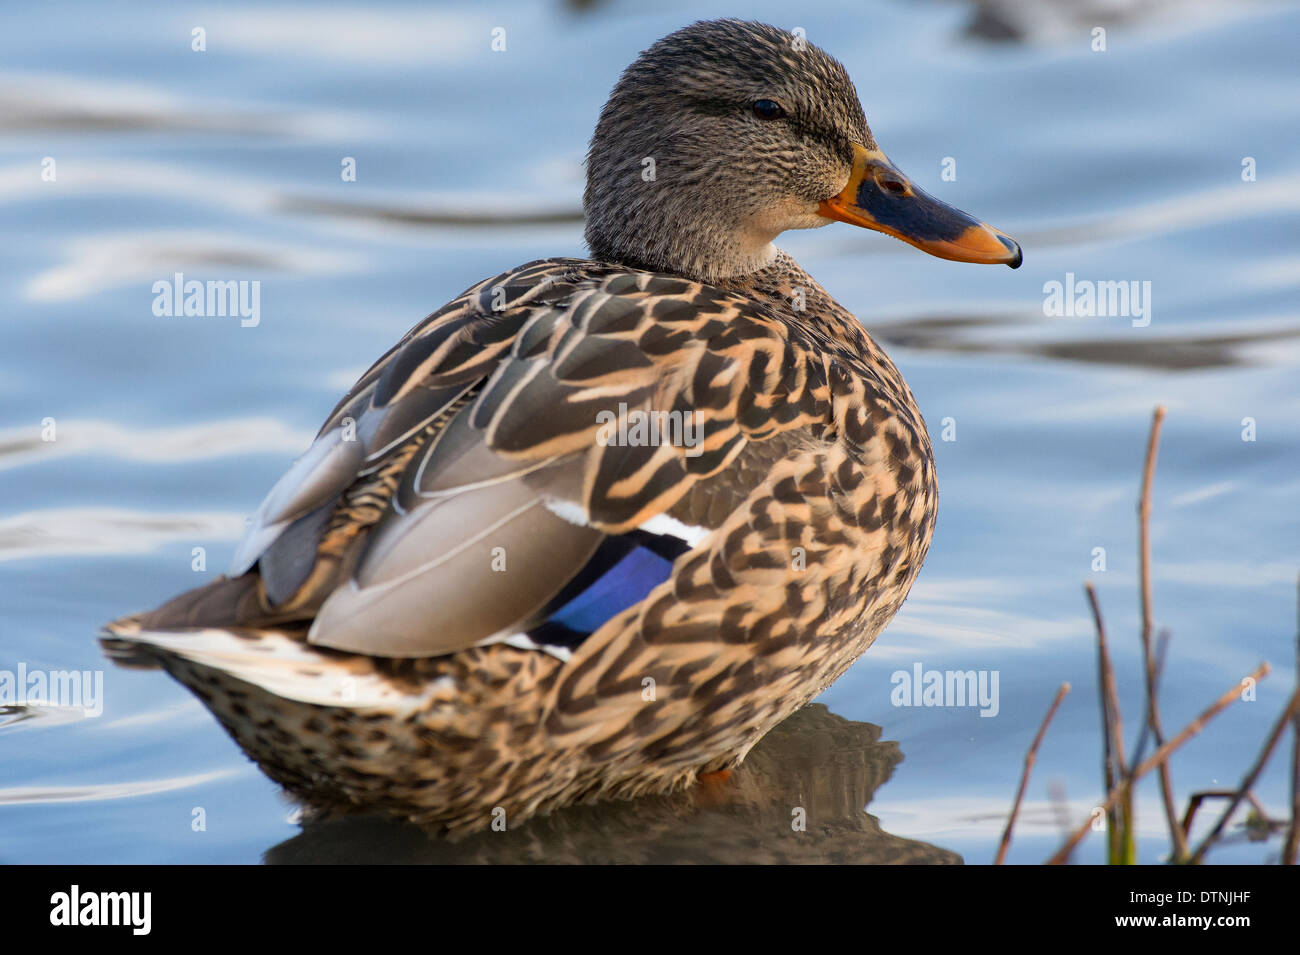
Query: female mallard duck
{"x": 597, "y": 525}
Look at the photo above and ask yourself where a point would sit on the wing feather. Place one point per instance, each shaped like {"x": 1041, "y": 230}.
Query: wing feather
{"x": 490, "y": 420}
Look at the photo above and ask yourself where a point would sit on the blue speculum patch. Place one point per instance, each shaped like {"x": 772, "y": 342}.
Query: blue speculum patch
{"x": 624, "y": 584}
{"x": 619, "y": 575}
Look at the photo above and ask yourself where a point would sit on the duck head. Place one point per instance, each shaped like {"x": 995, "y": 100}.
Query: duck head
{"x": 726, "y": 133}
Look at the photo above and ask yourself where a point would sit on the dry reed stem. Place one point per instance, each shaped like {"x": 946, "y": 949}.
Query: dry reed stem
{"x": 1293, "y": 831}
{"x": 1030, "y": 758}
{"x": 1248, "y": 782}
{"x": 1158, "y": 757}
{"x": 1112, "y": 720}
{"x": 1148, "y": 658}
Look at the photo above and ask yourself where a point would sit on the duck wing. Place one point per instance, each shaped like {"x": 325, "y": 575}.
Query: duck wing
{"x": 485, "y": 481}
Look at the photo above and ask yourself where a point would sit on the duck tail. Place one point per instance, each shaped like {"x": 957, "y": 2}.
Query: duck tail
{"x": 227, "y": 602}
{"x": 277, "y": 661}
{"x": 118, "y": 641}
{"x": 224, "y": 602}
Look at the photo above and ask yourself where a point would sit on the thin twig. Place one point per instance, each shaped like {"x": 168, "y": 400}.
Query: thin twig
{"x": 1158, "y": 757}
{"x": 1293, "y": 831}
{"x": 1162, "y": 650}
{"x": 1248, "y": 783}
{"x": 1148, "y": 625}
{"x": 1030, "y": 758}
{"x": 1112, "y": 721}
{"x": 1144, "y": 521}
{"x": 1195, "y": 800}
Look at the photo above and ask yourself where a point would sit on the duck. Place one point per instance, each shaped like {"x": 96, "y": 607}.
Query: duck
{"x": 597, "y": 525}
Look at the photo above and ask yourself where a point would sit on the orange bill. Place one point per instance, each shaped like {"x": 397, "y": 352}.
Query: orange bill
{"x": 880, "y": 197}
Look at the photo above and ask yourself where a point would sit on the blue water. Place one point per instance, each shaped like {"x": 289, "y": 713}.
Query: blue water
{"x": 1123, "y": 164}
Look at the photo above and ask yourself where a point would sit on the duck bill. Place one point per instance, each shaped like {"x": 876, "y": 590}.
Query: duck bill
{"x": 880, "y": 197}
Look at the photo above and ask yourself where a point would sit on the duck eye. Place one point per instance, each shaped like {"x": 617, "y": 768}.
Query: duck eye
{"x": 768, "y": 109}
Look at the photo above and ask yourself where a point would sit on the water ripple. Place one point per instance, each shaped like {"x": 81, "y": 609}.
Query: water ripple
{"x": 103, "y": 530}
{"x": 26, "y": 715}
{"x": 213, "y": 439}
{"x": 123, "y": 258}
{"x": 97, "y": 792}
{"x": 51, "y": 102}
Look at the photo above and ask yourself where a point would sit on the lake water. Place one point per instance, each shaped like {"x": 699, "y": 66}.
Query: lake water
{"x": 1122, "y": 164}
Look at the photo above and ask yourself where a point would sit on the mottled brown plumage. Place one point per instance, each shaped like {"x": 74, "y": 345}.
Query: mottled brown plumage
{"x": 399, "y": 630}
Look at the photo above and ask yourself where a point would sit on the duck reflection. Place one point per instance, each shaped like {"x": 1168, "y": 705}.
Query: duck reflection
{"x": 798, "y": 798}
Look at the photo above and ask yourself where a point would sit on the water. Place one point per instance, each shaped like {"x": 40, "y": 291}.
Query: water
{"x": 1117, "y": 165}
